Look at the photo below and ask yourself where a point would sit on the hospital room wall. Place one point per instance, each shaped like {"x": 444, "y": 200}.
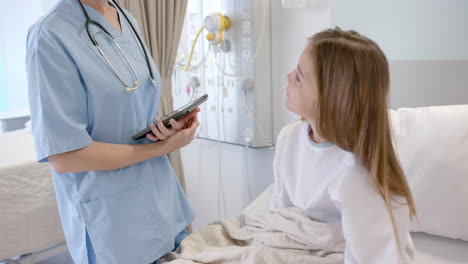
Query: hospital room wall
{"x": 16, "y": 17}
{"x": 202, "y": 158}
{"x": 13, "y": 31}
{"x": 425, "y": 41}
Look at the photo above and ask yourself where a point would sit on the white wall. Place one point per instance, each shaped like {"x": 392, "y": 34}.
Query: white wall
{"x": 426, "y": 83}
{"x": 201, "y": 164}
{"x": 425, "y": 41}
{"x": 290, "y": 30}
{"x": 409, "y": 30}
{"x": 206, "y": 163}
{"x": 15, "y": 19}
{"x": 13, "y": 30}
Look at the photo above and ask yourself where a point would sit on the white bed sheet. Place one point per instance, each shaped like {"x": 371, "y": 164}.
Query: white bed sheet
{"x": 432, "y": 249}
{"x": 29, "y": 220}
{"x": 210, "y": 242}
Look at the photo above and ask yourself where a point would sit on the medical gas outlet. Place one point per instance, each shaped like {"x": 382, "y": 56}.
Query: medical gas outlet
{"x": 216, "y": 24}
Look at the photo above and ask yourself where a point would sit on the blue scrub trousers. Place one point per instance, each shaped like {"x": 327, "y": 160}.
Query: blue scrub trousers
{"x": 92, "y": 256}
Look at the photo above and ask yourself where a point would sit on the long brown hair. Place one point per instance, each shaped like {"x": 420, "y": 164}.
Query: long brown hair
{"x": 353, "y": 82}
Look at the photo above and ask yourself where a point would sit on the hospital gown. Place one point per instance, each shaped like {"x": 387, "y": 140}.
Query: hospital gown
{"x": 331, "y": 186}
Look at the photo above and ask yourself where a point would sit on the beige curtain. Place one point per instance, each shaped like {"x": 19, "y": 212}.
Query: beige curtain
{"x": 161, "y": 23}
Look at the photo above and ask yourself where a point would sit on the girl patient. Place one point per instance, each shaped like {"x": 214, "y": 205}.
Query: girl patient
{"x": 338, "y": 163}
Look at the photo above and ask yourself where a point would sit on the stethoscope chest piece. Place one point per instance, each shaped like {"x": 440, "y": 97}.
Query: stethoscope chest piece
{"x": 136, "y": 83}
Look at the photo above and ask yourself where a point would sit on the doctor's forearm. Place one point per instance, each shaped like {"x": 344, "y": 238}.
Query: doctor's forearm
{"x": 105, "y": 156}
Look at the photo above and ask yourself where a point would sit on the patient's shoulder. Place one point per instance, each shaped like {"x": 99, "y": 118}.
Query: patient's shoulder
{"x": 291, "y": 129}
{"x": 353, "y": 182}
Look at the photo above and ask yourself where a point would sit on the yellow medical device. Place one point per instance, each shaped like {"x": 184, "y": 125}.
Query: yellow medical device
{"x": 216, "y": 24}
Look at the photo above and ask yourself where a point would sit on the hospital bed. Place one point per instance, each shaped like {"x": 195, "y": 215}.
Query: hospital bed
{"x": 30, "y": 228}
{"x": 218, "y": 240}
{"x": 432, "y": 144}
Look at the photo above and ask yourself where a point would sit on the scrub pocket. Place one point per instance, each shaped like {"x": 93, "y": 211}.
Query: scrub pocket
{"x": 120, "y": 227}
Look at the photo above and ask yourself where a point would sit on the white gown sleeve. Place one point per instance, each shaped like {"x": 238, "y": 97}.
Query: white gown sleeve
{"x": 366, "y": 223}
{"x": 280, "y": 197}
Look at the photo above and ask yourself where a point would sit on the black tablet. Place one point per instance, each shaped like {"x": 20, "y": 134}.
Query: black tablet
{"x": 177, "y": 114}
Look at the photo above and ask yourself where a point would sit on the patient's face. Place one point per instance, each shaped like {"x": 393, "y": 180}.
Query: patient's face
{"x": 302, "y": 88}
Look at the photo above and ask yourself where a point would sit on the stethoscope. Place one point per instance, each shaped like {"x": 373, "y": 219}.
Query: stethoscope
{"x": 136, "y": 83}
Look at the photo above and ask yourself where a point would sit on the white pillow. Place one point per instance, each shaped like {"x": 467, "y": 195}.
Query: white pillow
{"x": 432, "y": 144}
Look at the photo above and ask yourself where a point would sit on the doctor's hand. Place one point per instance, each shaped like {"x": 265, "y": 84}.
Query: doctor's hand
{"x": 185, "y": 121}
{"x": 184, "y": 136}
{"x": 161, "y": 132}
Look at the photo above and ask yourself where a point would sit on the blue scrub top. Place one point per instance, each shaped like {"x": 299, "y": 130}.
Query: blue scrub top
{"x": 133, "y": 214}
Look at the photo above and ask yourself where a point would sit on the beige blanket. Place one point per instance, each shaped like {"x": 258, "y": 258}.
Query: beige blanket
{"x": 263, "y": 237}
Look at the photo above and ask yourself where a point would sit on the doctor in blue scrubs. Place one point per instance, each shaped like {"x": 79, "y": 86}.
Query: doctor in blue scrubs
{"x": 91, "y": 87}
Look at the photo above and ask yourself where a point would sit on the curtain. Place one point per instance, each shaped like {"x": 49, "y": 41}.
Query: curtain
{"x": 161, "y": 23}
